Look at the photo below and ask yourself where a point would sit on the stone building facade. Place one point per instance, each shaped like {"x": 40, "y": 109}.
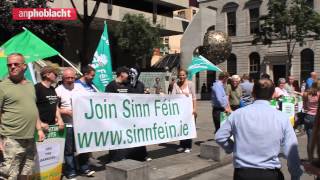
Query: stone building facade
{"x": 239, "y": 18}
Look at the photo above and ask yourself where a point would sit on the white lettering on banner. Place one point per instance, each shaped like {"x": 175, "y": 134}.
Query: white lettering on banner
{"x": 104, "y": 121}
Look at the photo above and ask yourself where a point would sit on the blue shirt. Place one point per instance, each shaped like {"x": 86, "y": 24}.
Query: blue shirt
{"x": 260, "y": 133}
{"x": 309, "y": 82}
{"x": 86, "y": 86}
{"x": 218, "y": 95}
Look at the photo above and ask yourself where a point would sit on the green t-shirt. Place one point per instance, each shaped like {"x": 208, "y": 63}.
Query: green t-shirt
{"x": 19, "y": 110}
{"x": 234, "y": 95}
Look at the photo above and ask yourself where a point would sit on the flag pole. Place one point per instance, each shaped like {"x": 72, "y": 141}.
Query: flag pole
{"x": 67, "y": 61}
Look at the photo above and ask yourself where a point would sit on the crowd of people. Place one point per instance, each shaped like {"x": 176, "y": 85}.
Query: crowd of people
{"x": 260, "y": 132}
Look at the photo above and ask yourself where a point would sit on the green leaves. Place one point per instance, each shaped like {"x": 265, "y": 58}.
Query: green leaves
{"x": 292, "y": 21}
{"x": 136, "y": 36}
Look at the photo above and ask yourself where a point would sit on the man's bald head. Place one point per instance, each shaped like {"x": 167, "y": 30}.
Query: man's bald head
{"x": 314, "y": 75}
{"x": 263, "y": 89}
{"x": 68, "y": 76}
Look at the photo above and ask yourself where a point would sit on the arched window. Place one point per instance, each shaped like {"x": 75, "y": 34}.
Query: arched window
{"x": 232, "y": 64}
{"x": 231, "y": 14}
{"x": 254, "y": 59}
{"x": 307, "y": 63}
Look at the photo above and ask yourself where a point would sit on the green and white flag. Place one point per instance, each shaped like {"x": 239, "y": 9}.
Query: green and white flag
{"x": 102, "y": 62}
{"x": 200, "y": 63}
{"x": 29, "y": 45}
{"x": 29, "y": 73}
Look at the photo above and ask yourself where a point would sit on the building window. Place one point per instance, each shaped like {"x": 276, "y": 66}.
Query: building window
{"x": 232, "y": 25}
{"x": 254, "y": 59}
{"x": 307, "y": 63}
{"x": 232, "y": 64}
{"x": 254, "y": 20}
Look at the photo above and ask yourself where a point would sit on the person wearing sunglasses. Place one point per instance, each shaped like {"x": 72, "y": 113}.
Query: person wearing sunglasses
{"x": 19, "y": 121}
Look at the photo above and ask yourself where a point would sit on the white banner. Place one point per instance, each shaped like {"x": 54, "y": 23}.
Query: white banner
{"x": 104, "y": 121}
{"x": 50, "y": 155}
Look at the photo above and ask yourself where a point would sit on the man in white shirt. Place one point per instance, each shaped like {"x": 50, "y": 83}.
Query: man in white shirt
{"x": 65, "y": 91}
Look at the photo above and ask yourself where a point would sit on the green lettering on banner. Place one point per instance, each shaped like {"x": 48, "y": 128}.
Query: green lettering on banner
{"x": 84, "y": 140}
{"x": 116, "y": 137}
{"x": 156, "y": 106}
{"x": 161, "y": 132}
{"x": 129, "y": 135}
{"x": 125, "y": 103}
{"x": 103, "y": 137}
{"x": 185, "y": 129}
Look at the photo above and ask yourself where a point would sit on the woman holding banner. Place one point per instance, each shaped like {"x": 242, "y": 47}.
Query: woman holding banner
{"x": 184, "y": 86}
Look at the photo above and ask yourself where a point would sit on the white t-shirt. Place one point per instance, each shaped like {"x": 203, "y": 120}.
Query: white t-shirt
{"x": 65, "y": 96}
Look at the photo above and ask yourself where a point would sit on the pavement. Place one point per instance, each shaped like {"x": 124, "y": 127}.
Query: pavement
{"x": 168, "y": 164}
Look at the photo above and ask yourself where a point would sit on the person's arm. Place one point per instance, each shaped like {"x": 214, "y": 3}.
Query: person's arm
{"x": 221, "y": 96}
{"x": 305, "y": 99}
{"x": 194, "y": 99}
{"x": 39, "y": 129}
{"x": 290, "y": 150}
{"x": 223, "y": 135}
{"x": 59, "y": 120}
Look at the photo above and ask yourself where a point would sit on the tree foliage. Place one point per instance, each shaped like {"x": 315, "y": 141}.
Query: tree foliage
{"x": 292, "y": 21}
{"x": 49, "y": 31}
{"x": 136, "y": 36}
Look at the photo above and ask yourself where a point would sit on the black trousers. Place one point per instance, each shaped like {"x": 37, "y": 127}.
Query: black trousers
{"x": 216, "y": 117}
{"x": 137, "y": 153}
{"x": 257, "y": 174}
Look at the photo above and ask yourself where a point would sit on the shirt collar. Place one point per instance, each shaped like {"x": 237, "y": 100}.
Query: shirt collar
{"x": 262, "y": 102}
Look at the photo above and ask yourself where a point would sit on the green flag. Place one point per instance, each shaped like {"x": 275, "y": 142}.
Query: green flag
{"x": 200, "y": 63}
{"x": 29, "y": 45}
{"x": 102, "y": 62}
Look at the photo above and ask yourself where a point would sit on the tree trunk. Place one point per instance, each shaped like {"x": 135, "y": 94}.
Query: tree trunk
{"x": 84, "y": 52}
{"x": 289, "y": 62}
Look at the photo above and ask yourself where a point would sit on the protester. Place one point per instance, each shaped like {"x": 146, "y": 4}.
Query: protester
{"x": 86, "y": 79}
{"x": 65, "y": 92}
{"x": 47, "y": 99}
{"x": 219, "y": 99}
{"x": 203, "y": 91}
{"x": 173, "y": 80}
{"x": 184, "y": 86}
{"x": 280, "y": 91}
{"x": 265, "y": 76}
{"x": 137, "y": 87}
{"x": 313, "y": 77}
{"x": 290, "y": 87}
{"x": 19, "y": 120}
{"x": 260, "y": 133}
{"x": 119, "y": 85}
{"x": 246, "y": 87}
{"x": 157, "y": 86}
{"x": 310, "y": 106}
{"x": 234, "y": 92}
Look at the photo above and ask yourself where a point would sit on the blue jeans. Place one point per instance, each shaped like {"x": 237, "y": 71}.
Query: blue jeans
{"x": 69, "y": 157}
{"x": 308, "y": 125}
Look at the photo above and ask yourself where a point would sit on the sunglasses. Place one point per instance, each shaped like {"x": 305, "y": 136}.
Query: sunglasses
{"x": 14, "y": 64}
